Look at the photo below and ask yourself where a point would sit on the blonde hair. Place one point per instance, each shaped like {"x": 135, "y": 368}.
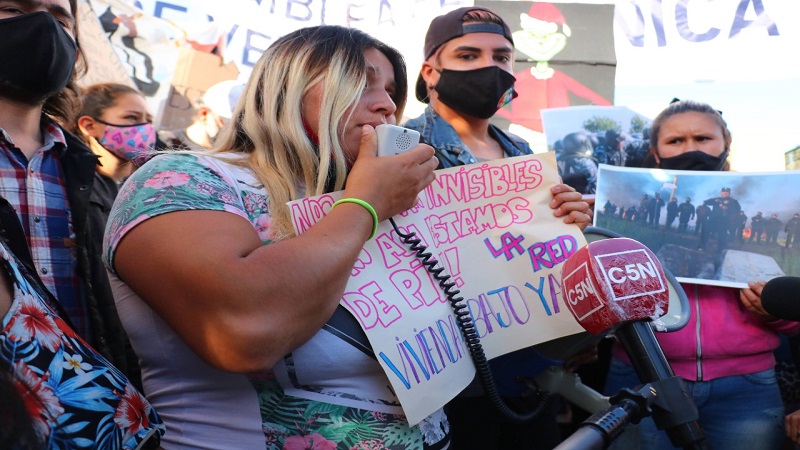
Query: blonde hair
{"x": 268, "y": 124}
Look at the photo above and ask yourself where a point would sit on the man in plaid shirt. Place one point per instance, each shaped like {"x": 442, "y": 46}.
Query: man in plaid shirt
{"x": 47, "y": 174}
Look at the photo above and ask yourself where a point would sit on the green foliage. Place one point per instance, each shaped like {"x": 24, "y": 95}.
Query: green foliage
{"x": 323, "y": 409}
{"x": 350, "y": 433}
{"x": 597, "y": 124}
{"x": 396, "y": 433}
{"x": 638, "y": 124}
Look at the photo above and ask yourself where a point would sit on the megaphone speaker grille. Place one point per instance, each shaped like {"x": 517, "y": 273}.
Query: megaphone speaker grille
{"x": 403, "y": 141}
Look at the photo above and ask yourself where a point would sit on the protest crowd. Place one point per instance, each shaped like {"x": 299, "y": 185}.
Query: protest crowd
{"x": 155, "y": 293}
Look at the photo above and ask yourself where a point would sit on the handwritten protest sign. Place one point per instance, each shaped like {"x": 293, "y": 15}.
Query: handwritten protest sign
{"x": 492, "y": 228}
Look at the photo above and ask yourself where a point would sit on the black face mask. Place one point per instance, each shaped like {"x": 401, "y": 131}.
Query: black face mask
{"x": 695, "y": 160}
{"x": 38, "y": 57}
{"x": 479, "y": 92}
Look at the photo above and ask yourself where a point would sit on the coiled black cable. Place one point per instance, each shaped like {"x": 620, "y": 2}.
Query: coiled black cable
{"x": 468, "y": 330}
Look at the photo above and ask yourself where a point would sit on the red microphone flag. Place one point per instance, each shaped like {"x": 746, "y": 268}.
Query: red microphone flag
{"x": 612, "y": 281}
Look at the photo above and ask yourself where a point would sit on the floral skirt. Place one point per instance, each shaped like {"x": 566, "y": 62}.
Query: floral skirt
{"x": 292, "y": 423}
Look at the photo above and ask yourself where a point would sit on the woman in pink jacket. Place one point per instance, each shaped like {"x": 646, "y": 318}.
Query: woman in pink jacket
{"x": 725, "y": 353}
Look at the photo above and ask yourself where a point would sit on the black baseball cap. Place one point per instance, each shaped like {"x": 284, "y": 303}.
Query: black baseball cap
{"x": 450, "y": 26}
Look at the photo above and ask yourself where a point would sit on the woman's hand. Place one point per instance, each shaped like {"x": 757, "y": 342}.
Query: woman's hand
{"x": 751, "y": 300}
{"x": 793, "y": 427}
{"x": 390, "y": 184}
{"x": 569, "y": 204}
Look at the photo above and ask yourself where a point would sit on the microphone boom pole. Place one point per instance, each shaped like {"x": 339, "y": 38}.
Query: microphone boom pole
{"x": 673, "y": 411}
{"x": 618, "y": 285}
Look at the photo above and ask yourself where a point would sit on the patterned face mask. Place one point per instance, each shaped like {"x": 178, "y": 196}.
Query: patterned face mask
{"x": 135, "y": 143}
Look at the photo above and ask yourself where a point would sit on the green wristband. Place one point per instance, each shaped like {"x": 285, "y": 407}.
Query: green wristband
{"x": 366, "y": 206}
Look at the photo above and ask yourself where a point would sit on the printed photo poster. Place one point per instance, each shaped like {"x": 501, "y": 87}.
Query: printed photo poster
{"x": 716, "y": 228}
{"x": 564, "y": 56}
{"x": 492, "y": 228}
{"x": 585, "y": 136}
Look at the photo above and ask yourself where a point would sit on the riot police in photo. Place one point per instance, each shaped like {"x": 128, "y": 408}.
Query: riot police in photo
{"x": 740, "y": 221}
{"x": 609, "y": 209}
{"x": 576, "y": 165}
{"x": 722, "y": 220}
{"x": 701, "y": 224}
{"x": 772, "y": 227}
{"x": 644, "y": 208}
{"x": 636, "y": 149}
{"x": 792, "y": 230}
{"x": 672, "y": 212}
{"x": 610, "y": 150}
{"x": 654, "y": 210}
{"x": 685, "y": 214}
{"x": 757, "y": 227}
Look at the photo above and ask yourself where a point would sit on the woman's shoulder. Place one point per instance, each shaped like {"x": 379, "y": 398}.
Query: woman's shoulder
{"x": 187, "y": 173}
{"x": 176, "y": 182}
{"x": 192, "y": 163}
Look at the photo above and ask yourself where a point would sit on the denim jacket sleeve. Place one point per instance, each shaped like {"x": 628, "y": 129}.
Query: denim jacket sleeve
{"x": 439, "y": 134}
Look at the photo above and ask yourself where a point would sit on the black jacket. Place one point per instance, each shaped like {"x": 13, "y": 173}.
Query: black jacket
{"x": 90, "y": 204}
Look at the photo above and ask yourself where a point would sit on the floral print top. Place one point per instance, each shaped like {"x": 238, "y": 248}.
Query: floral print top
{"x": 324, "y": 395}
{"x": 74, "y": 396}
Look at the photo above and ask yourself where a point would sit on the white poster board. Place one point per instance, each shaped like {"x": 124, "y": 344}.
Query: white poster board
{"x": 492, "y": 226}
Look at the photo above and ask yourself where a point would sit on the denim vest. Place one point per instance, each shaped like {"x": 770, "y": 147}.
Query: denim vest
{"x": 451, "y": 152}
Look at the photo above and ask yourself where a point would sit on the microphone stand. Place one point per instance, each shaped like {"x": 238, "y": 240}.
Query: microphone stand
{"x": 664, "y": 397}
{"x": 598, "y": 431}
{"x": 673, "y": 409}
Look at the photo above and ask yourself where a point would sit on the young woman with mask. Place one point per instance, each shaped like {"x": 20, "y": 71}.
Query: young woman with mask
{"x": 114, "y": 123}
{"x": 725, "y": 353}
{"x": 466, "y": 78}
{"x": 224, "y": 304}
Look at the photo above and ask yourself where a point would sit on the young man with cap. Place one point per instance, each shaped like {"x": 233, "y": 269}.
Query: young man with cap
{"x": 466, "y": 78}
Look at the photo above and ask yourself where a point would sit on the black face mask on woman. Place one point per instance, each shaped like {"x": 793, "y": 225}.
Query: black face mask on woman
{"x": 694, "y": 160}
{"x": 478, "y": 93}
{"x": 38, "y": 57}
